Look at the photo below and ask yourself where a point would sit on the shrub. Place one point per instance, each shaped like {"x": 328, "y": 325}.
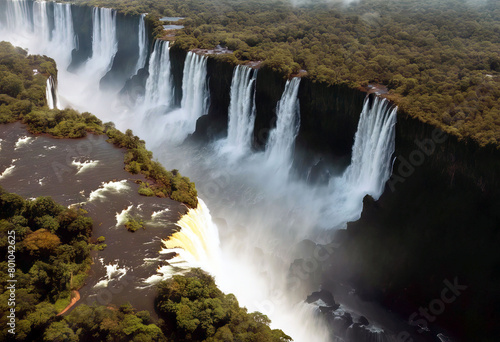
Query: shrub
{"x": 133, "y": 225}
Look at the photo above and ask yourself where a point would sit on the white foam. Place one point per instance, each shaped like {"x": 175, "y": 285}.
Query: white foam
{"x": 82, "y": 166}
{"x": 114, "y": 187}
{"x": 121, "y": 217}
{"x": 23, "y": 141}
{"x": 113, "y": 272}
{"x": 158, "y": 213}
{"x": 8, "y": 171}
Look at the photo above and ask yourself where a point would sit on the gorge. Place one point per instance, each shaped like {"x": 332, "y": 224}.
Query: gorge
{"x": 285, "y": 166}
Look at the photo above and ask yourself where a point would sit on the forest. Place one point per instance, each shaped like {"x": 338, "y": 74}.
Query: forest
{"x": 439, "y": 59}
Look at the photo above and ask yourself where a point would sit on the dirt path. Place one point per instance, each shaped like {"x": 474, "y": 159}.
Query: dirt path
{"x": 76, "y": 298}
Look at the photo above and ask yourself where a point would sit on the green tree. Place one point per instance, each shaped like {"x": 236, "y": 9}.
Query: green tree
{"x": 60, "y": 332}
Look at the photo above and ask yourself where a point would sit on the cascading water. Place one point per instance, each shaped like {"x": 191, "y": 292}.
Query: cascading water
{"x": 241, "y": 110}
{"x": 63, "y": 38}
{"x": 373, "y": 147}
{"x": 18, "y": 16}
{"x": 159, "y": 83}
{"x": 268, "y": 215}
{"x": 194, "y": 88}
{"x": 48, "y": 94}
{"x": 370, "y": 166}
{"x": 161, "y": 123}
{"x": 41, "y": 20}
{"x": 51, "y": 94}
{"x": 279, "y": 149}
{"x": 143, "y": 44}
{"x": 104, "y": 41}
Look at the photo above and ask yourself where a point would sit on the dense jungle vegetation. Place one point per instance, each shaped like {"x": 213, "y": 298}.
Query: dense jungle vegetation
{"x": 439, "y": 59}
{"x": 22, "y": 97}
{"x": 52, "y": 246}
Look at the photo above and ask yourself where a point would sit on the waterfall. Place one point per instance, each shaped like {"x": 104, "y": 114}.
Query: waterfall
{"x": 194, "y": 87}
{"x": 159, "y": 83}
{"x": 51, "y": 94}
{"x": 279, "y": 149}
{"x": 195, "y": 244}
{"x": 143, "y": 44}
{"x": 104, "y": 41}
{"x": 48, "y": 94}
{"x": 373, "y": 147}
{"x": 160, "y": 122}
{"x": 370, "y": 167}
{"x": 63, "y": 36}
{"x": 241, "y": 109}
{"x": 41, "y": 20}
{"x": 18, "y": 16}
{"x": 42, "y": 27}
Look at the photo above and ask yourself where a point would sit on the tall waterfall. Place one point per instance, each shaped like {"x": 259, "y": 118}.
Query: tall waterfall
{"x": 373, "y": 147}
{"x": 241, "y": 109}
{"x": 42, "y": 27}
{"x": 159, "y": 83}
{"x": 160, "y": 122}
{"x": 63, "y": 37}
{"x": 18, "y": 16}
{"x": 104, "y": 41}
{"x": 41, "y": 20}
{"x": 370, "y": 167}
{"x": 51, "y": 94}
{"x": 279, "y": 149}
{"x": 194, "y": 87}
{"x": 143, "y": 44}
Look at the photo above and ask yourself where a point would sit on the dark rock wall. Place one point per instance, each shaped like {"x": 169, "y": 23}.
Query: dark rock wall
{"x": 177, "y": 58}
{"x": 214, "y": 125}
{"x": 328, "y": 121}
{"x": 82, "y": 25}
{"x": 125, "y": 61}
{"x": 268, "y": 91}
{"x": 438, "y": 220}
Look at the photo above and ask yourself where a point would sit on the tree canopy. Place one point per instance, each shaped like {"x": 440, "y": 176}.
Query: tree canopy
{"x": 439, "y": 59}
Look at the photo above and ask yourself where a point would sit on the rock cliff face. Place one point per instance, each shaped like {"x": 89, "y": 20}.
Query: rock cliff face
{"x": 177, "y": 58}
{"x": 436, "y": 223}
{"x": 328, "y": 120}
{"x": 82, "y": 24}
{"x": 127, "y": 55}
